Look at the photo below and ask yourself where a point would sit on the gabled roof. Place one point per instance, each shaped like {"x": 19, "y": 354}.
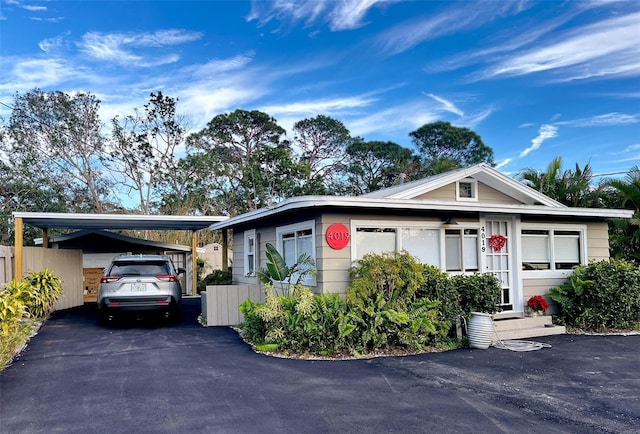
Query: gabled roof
{"x": 481, "y": 172}
{"x": 364, "y": 204}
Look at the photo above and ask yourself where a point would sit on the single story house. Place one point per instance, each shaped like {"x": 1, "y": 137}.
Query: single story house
{"x": 470, "y": 220}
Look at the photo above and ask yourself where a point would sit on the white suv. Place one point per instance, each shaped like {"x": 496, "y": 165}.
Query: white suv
{"x": 140, "y": 283}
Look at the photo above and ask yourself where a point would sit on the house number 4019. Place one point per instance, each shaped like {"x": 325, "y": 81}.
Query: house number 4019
{"x": 338, "y": 236}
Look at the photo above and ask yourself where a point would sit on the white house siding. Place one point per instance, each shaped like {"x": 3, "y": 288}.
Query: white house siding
{"x": 446, "y": 193}
{"x": 486, "y": 194}
{"x": 237, "y": 270}
{"x": 597, "y": 241}
{"x": 533, "y": 287}
{"x": 334, "y": 264}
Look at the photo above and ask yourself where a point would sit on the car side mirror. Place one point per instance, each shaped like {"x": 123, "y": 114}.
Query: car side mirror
{"x": 181, "y": 270}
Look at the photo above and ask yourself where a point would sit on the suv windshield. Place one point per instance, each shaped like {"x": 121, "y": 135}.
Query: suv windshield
{"x": 146, "y": 268}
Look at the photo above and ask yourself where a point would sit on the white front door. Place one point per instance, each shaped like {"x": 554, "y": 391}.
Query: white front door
{"x": 497, "y": 247}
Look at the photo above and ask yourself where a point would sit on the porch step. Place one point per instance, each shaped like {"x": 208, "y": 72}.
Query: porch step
{"x": 529, "y": 327}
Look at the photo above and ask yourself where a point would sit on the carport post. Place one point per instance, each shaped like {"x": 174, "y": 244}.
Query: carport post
{"x": 194, "y": 263}
{"x": 45, "y": 238}
{"x": 18, "y": 240}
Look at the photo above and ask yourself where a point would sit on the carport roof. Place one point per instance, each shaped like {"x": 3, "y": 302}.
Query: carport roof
{"x": 44, "y": 220}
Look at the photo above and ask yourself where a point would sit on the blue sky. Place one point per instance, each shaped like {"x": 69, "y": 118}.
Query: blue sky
{"x": 536, "y": 80}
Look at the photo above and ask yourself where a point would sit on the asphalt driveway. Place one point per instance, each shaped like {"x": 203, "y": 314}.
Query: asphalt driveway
{"x": 149, "y": 377}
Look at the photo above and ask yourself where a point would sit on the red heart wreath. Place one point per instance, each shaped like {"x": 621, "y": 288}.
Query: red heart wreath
{"x": 497, "y": 242}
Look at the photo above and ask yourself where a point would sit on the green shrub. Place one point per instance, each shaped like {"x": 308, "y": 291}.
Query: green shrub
{"x": 393, "y": 302}
{"x": 299, "y": 322}
{"x": 12, "y": 308}
{"x": 254, "y": 329}
{"x": 438, "y": 286}
{"x": 600, "y": 295}
{"x": 216, "y": 277}
{"x": 395, "y": 276}
{"x": 46, "y": 289}
{"x": 478, "y": 293}
{"x": 21, "y": 304}
{"x": 38, "y": 291}
{"x": 382, "y": 310}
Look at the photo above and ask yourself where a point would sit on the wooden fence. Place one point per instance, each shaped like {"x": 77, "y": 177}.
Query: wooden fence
{"x": 66, "y": 264}
{"x": 6, "y": 264}
{"x": 220, "y": 303}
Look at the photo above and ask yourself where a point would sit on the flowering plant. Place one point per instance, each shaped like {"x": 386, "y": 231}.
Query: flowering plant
{"x": 538, "y": 303}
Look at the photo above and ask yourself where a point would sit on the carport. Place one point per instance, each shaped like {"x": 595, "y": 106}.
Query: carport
{"x": 46, "y": 221}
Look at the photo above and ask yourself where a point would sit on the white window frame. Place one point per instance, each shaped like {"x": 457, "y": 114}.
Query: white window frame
{"x": 463, "y": 263}
{"x": 309, "y": 280}
{"x": 250, "y": 235}
{"x": 474, "y": 190}
{"x": 551, "y": 228}
{"x": 431, "y": 225}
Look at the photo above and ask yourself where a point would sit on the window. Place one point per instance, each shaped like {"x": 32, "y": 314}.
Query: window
{"x": 250, "y": 253}
{"x": 461, "y": 250}
{"x": 375, "y": 240}
{"x": 423, "y": 243}
{"x": 467, "y": 189}
{"x": 552, "y": 249}
{"x": 455, "y": 250}
{"x": 295, "y": 240}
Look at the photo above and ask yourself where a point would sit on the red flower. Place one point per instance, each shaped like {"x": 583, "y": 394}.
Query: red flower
{"x": 537, "y": 303}
{"x": 497, "y": 242}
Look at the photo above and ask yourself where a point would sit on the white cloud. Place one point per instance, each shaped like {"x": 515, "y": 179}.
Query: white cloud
{"x": 219, "y": 66}
{"x": 546, "y": 132}
{"x": 605, "y": 48}
{"x": 48, "y": 20}
{"x": 51, "y": 44}
{"x": 119, "y": 47}
{"x": 33, "y": 8}
{"x": 339, "y": 15}
{"x": 447, "y": 105}
{"x": 407, "y": 35}
{"x": 632, "y": 148}
{"x": 321, "y": 106}
{"x": 400, "y": 118}
{"x": 503, "y": 163}
{"x": 349, "y": 14}
{"x": 472, "y": 121}
{"x": 630, "y": 153}
{"x": 605, "y": 120}
{"x": 25, "y": 74}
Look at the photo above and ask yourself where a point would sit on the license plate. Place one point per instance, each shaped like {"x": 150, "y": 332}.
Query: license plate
{"x": 138, "y": 287}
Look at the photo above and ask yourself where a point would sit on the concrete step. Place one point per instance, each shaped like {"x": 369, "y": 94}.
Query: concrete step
{"x": 528, "y": 327}
{"x": 534, "y": 332}
{"x": 522, "y": 323}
